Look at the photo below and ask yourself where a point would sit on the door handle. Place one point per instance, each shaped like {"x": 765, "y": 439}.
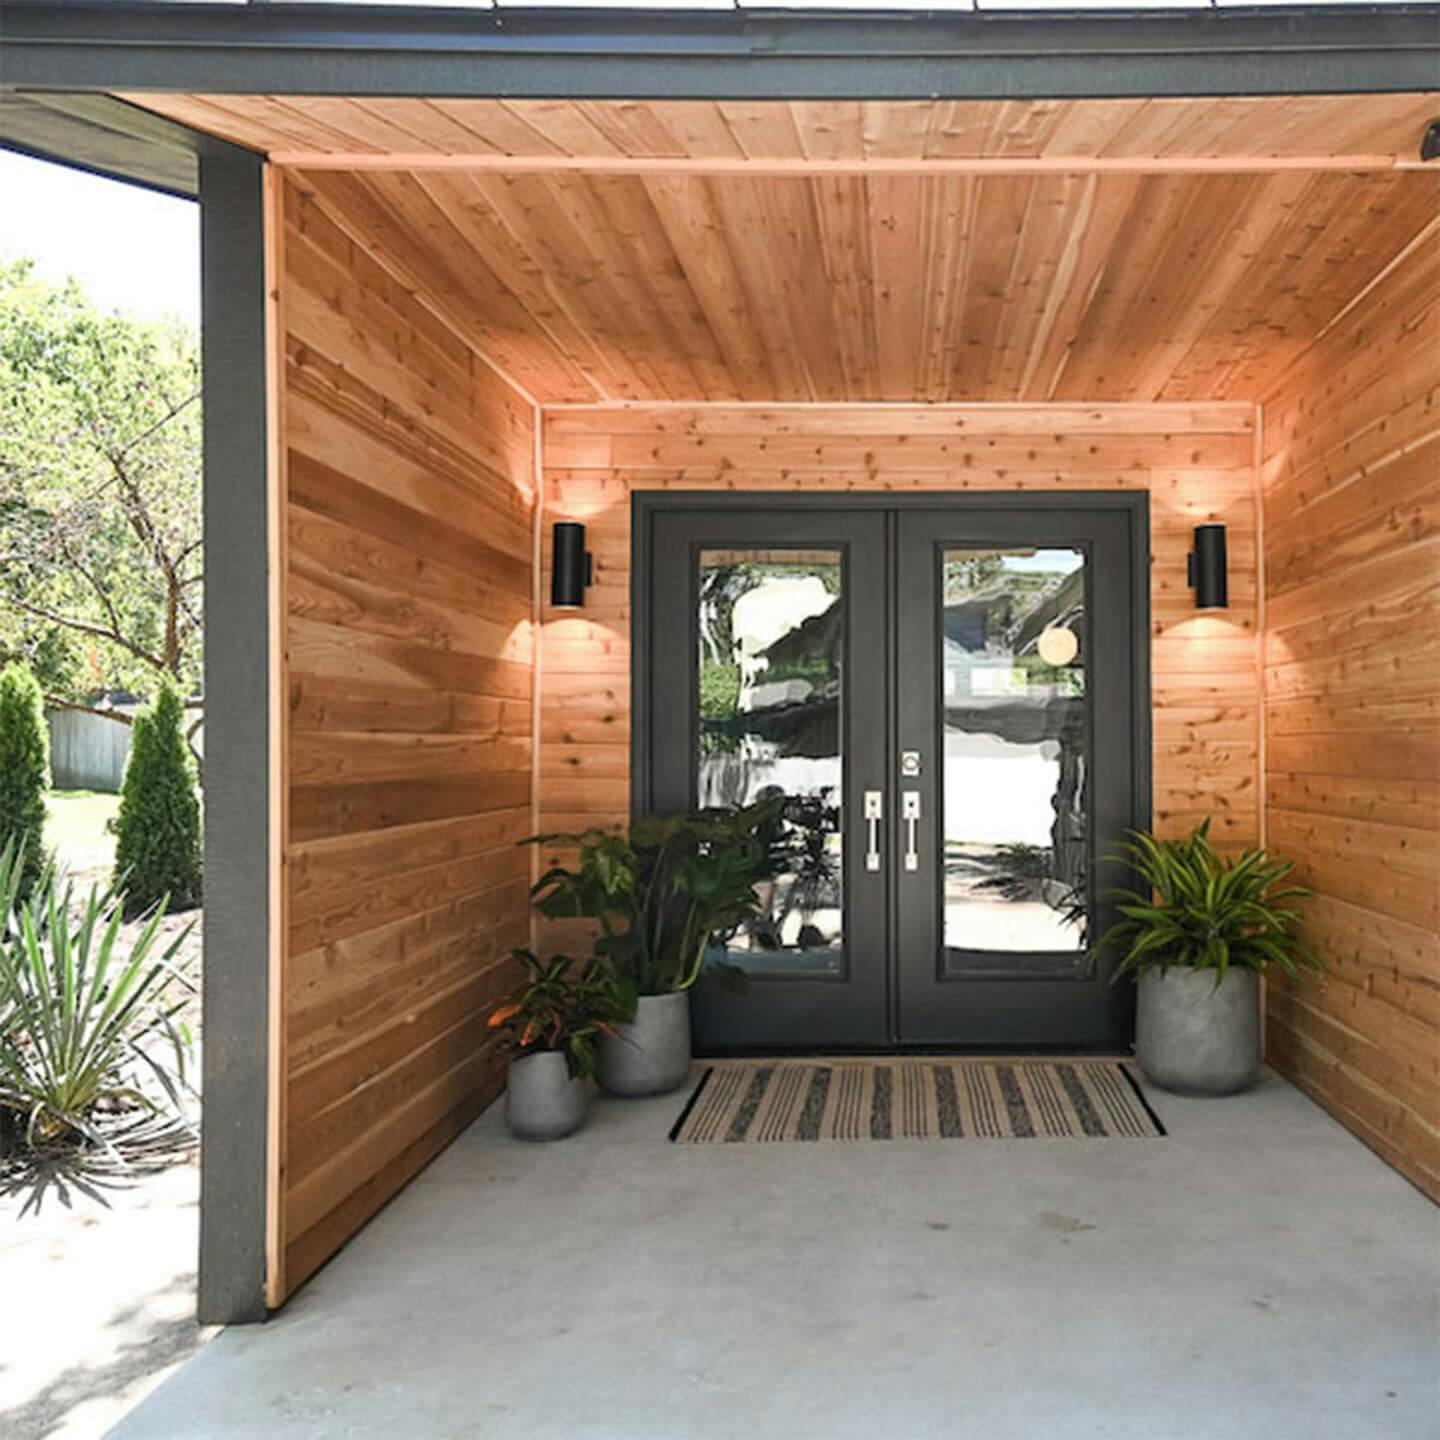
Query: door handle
{"x": 910, "y": 813}
{"x": 874, "y": 814}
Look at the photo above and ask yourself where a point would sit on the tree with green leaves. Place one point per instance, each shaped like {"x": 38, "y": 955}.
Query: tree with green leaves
{"x": 157, "y": 832}
{"x": 24, "y": 770}
{"x": 100, "y": 493}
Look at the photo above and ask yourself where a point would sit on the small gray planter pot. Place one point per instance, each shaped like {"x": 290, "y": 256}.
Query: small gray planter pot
{"x": 1195, "y": 1039}
{"x": 543, "y": 1101}
{"x": 652, "y": 1054}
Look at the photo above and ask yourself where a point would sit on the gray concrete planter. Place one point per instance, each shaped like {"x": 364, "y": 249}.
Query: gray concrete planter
{"x": 1195, "y": 1039}
{"x": 651, "y": 1055}
{"x": 543, "y": 1101}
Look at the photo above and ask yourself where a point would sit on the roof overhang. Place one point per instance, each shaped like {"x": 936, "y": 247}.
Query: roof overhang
{"x": 343, "y": 49}
{"x": 104, "y": 136}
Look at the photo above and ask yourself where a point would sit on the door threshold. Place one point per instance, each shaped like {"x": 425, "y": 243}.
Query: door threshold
{"x": 900, "y": 1050}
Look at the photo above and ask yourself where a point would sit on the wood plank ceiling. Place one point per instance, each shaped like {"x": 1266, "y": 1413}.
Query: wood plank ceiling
{"x": 896, "y": 287}
{"x": 1363, "y": 128}
{"x": 877, "y": 282}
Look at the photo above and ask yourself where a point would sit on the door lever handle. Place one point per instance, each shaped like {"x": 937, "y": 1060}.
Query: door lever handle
{"x": 910, "y": 813}
{"x": 874, "y": 814}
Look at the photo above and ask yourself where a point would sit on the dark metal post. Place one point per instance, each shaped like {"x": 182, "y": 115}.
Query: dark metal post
{"x": 233, "y": 1157}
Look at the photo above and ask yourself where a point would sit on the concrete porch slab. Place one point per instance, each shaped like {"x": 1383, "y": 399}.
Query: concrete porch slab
{"x": 1258, "y": 1275}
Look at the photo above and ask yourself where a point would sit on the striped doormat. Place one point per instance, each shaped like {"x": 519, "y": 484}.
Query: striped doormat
{"x": 915, "y": 1099}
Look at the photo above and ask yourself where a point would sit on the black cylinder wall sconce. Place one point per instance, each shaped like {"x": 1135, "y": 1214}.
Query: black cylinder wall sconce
{"x": 572, "y": 567}
{"x": 1209, "y": 568}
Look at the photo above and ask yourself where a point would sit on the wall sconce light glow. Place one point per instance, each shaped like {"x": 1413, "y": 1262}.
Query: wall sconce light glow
{"x": 572, "y": 566}
{"x": 1208, "y": 568}
{"x": 1057, "y": 645}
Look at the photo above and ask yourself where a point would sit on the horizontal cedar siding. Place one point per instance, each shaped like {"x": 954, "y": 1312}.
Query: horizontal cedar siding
{"x": 1352, "y": 666}
{"x": 1196, "y": 462}
{"x": 409, "y": 671}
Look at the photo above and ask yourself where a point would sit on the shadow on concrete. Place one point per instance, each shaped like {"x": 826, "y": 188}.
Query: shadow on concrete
{"x": 151, "y": 1345}
{"x": 139, "y": 1147}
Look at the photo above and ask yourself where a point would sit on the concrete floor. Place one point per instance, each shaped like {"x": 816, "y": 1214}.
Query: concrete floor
{"x": 103, "y": 1300}
{"x": 1258, "y": 1275}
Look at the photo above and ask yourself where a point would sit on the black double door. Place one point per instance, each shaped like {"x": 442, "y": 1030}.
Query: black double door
{"x": 950, "y": 704}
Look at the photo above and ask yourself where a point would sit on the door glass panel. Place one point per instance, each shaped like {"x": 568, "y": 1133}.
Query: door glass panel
{"x": 1016, "y": 730}
{"x": 771, "y": 645}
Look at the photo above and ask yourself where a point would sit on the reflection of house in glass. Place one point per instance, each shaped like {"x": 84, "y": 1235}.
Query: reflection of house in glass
{"x": 771, "y": 641}
{"x": 1015, "y": 746}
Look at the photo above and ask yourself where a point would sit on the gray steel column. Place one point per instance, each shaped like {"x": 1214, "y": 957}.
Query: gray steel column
{"x": 237, "y": 756}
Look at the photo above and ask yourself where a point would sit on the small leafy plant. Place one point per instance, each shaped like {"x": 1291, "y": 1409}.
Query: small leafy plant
{"x": 84, "y": 1027}
{"x": 663, "y": 892}
{"x": 553, "y": 1010}
{"x": 1204, "y": 912}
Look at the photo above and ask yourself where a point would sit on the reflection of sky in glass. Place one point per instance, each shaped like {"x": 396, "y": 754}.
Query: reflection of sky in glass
{"x": 1050, "y": 562}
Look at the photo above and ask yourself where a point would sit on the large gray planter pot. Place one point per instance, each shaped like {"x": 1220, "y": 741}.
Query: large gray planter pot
{"x": 1195, "y": 1039}
{"x": 652, "y": 1054}
{"x": 543, "y": 1101}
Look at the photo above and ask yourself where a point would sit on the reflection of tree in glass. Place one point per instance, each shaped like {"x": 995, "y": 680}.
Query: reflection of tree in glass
{"x": 722, "y": 585}
{"x": 807, "y": 652}
{"x": 997, "y": 607}
{"x": 1015, "y": 603}
{"x": 769, "y": 691}
{"x": 965, "y": 575}
{"x": 719, "y": 699}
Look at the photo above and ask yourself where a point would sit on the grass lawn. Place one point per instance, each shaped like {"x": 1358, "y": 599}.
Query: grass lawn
{"x": 75, "y": 829}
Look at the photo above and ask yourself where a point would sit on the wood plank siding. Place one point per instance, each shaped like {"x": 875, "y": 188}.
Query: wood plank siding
{"x": 1352, "y": 669}
{"x": 499, "y": 314}
{"x": 409, "y": 584}
{"x": 1196, "y": 461}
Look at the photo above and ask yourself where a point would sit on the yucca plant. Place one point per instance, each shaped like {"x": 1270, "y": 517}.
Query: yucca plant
{"x": 85, "y": 1023}
{"x": 1204, "y": 912}
{"x": 555, "y": 1010}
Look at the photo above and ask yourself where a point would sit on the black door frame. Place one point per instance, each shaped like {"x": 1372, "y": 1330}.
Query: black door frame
{"x": 646, "y": 505}
{"x": 996, "y": 1005}
{"x": 849, "y": 1012}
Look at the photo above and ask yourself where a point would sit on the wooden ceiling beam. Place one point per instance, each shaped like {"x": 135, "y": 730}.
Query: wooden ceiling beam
{"x": 804, "y": 167}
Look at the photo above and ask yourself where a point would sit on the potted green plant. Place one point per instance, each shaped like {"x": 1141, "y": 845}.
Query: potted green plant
{"x": 552, "y": 1022}
{"x": 662, "y": 893}
{"x": 1197, "y": 937}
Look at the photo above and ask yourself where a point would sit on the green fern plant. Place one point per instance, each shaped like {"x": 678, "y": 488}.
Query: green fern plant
{"x": 1200, "y": 911}
{"x": 663, "y": 892}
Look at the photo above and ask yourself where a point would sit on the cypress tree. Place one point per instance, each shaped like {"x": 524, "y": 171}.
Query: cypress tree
{"x": 157, "y": 832}
{"x": 24, "y": 768}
